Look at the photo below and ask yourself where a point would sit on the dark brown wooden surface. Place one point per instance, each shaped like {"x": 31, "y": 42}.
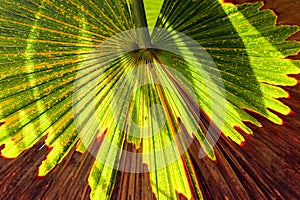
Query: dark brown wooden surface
{"x": 266, "y": 167}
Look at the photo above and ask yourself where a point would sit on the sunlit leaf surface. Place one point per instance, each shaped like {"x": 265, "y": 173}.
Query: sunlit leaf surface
{"x": 61, "y": 76}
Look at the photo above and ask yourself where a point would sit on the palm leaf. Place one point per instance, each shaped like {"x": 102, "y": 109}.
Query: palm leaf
{"x": 69, "y": 70}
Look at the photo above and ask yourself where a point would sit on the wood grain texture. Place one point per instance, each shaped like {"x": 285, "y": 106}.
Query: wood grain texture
{"x": 266, "y": 167}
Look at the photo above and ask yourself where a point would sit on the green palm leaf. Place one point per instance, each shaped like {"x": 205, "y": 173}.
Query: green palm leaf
{"x": 74, "y": 72}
